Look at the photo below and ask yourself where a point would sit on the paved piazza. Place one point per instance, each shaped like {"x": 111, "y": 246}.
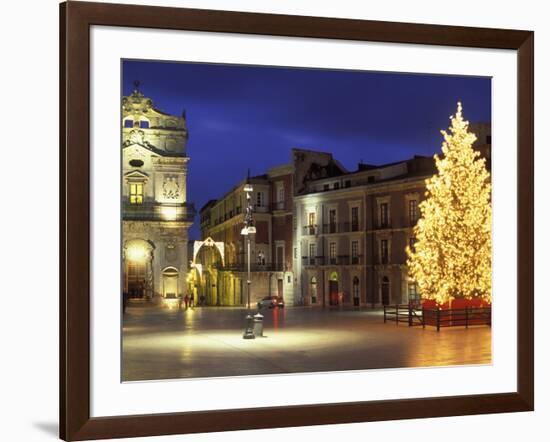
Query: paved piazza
{"x": 162, "y": 343}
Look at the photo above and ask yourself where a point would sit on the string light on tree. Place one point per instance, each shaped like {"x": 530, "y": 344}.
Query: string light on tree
{"x": 452, "y": 253}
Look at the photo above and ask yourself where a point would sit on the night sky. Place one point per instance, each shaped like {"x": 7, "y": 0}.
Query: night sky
{"x": 242, "y": 117}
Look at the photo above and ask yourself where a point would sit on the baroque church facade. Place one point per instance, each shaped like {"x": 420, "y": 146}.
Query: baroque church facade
{"x": 156, "y": 216}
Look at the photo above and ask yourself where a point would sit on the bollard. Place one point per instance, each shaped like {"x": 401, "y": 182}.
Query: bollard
{"x": 249, "y": 330}
{"x": 258, "y": 325}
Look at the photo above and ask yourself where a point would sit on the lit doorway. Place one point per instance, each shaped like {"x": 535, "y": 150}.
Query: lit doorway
{"x": 137, "y": 265}
{"x": 313, "y": 290}
{"x": 280, "y": 288}
{"x": 333, "y": 289}
{"x": 136, "y": 279}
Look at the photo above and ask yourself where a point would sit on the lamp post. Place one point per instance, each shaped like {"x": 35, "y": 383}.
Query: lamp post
{"x": 247, "y": 230}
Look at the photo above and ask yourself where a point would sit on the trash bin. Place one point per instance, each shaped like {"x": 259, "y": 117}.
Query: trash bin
{"x": 249, "y": 330}
{"x": 258, "y": 325}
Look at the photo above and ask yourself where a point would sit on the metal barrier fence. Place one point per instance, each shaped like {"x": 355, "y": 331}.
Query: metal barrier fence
{"x": 438, "y": 318}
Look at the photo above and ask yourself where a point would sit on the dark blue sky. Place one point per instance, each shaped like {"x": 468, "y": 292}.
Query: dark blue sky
{"x": 247, "y": 116}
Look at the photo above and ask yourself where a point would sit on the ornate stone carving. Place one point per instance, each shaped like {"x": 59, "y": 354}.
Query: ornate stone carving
{"x": 135, "y": 136}
{"x": 170, "y": 187}
{"x": 136, "y": 153}
{"x": 136, "y": 103}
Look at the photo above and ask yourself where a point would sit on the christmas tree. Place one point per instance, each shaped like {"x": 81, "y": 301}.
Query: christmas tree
{"x": 451, "y": 257}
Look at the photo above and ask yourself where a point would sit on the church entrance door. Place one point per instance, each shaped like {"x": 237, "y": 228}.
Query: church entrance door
{"x": 136, "y": 279}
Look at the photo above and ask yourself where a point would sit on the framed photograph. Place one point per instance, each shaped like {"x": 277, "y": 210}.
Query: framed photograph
{"x": 273, "y": 221}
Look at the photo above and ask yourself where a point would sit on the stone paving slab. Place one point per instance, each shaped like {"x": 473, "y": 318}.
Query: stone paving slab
{"x": 159, "y": 343}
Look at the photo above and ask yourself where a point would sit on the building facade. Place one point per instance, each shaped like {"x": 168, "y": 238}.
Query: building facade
{"x": 325, "y": 236}
{"x": 223, "y": 282}
{"x": 352, "y": 230}
{"x": 155, "y": 213}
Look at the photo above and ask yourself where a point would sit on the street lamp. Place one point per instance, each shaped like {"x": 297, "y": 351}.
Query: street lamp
{"x": 248, "y": 230}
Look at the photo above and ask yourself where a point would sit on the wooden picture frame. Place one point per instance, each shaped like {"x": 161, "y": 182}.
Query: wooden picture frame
{"x": 75, "y": 21}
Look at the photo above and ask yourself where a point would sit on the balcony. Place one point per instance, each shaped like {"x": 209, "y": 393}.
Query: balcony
{"x": 229, "y": 215}
{"x": 340, "y": 260}
{"x": 153, "y": 211}
{"x": 383, "y": 224}
{"x": 254, "y": 267}
{"x": 344, "y": 227}
{"x": 313, "y": 260}
{"x": 310, "y": 230}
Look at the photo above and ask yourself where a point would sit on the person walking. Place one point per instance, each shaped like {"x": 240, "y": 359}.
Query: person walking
{"x": 192, "y": 302}
{"x": 186, "y": 299}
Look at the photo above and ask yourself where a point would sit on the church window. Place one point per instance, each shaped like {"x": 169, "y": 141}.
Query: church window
{"x": 136, "y": 193}
{"x": 128, "y": 123}
{"x": 144, "y": 124}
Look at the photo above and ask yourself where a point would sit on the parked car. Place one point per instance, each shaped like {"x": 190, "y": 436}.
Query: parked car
{"x": 271, "y": 302}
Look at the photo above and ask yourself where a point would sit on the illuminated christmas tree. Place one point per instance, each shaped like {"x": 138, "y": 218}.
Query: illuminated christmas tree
{"x": 451, "y": 258}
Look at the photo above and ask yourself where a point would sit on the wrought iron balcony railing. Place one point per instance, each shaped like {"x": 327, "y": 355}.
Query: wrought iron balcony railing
{"x": 254, "y": 267}
{"x": 341, "y": 260}
{"x": 310, "y": 230}
{"x": 383, "y": 224}
{"x": 343, "y": 227}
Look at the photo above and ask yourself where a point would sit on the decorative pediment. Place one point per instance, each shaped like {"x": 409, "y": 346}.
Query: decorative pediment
{"x": 137, "y": 151}
{"x": 136, "y": 175}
